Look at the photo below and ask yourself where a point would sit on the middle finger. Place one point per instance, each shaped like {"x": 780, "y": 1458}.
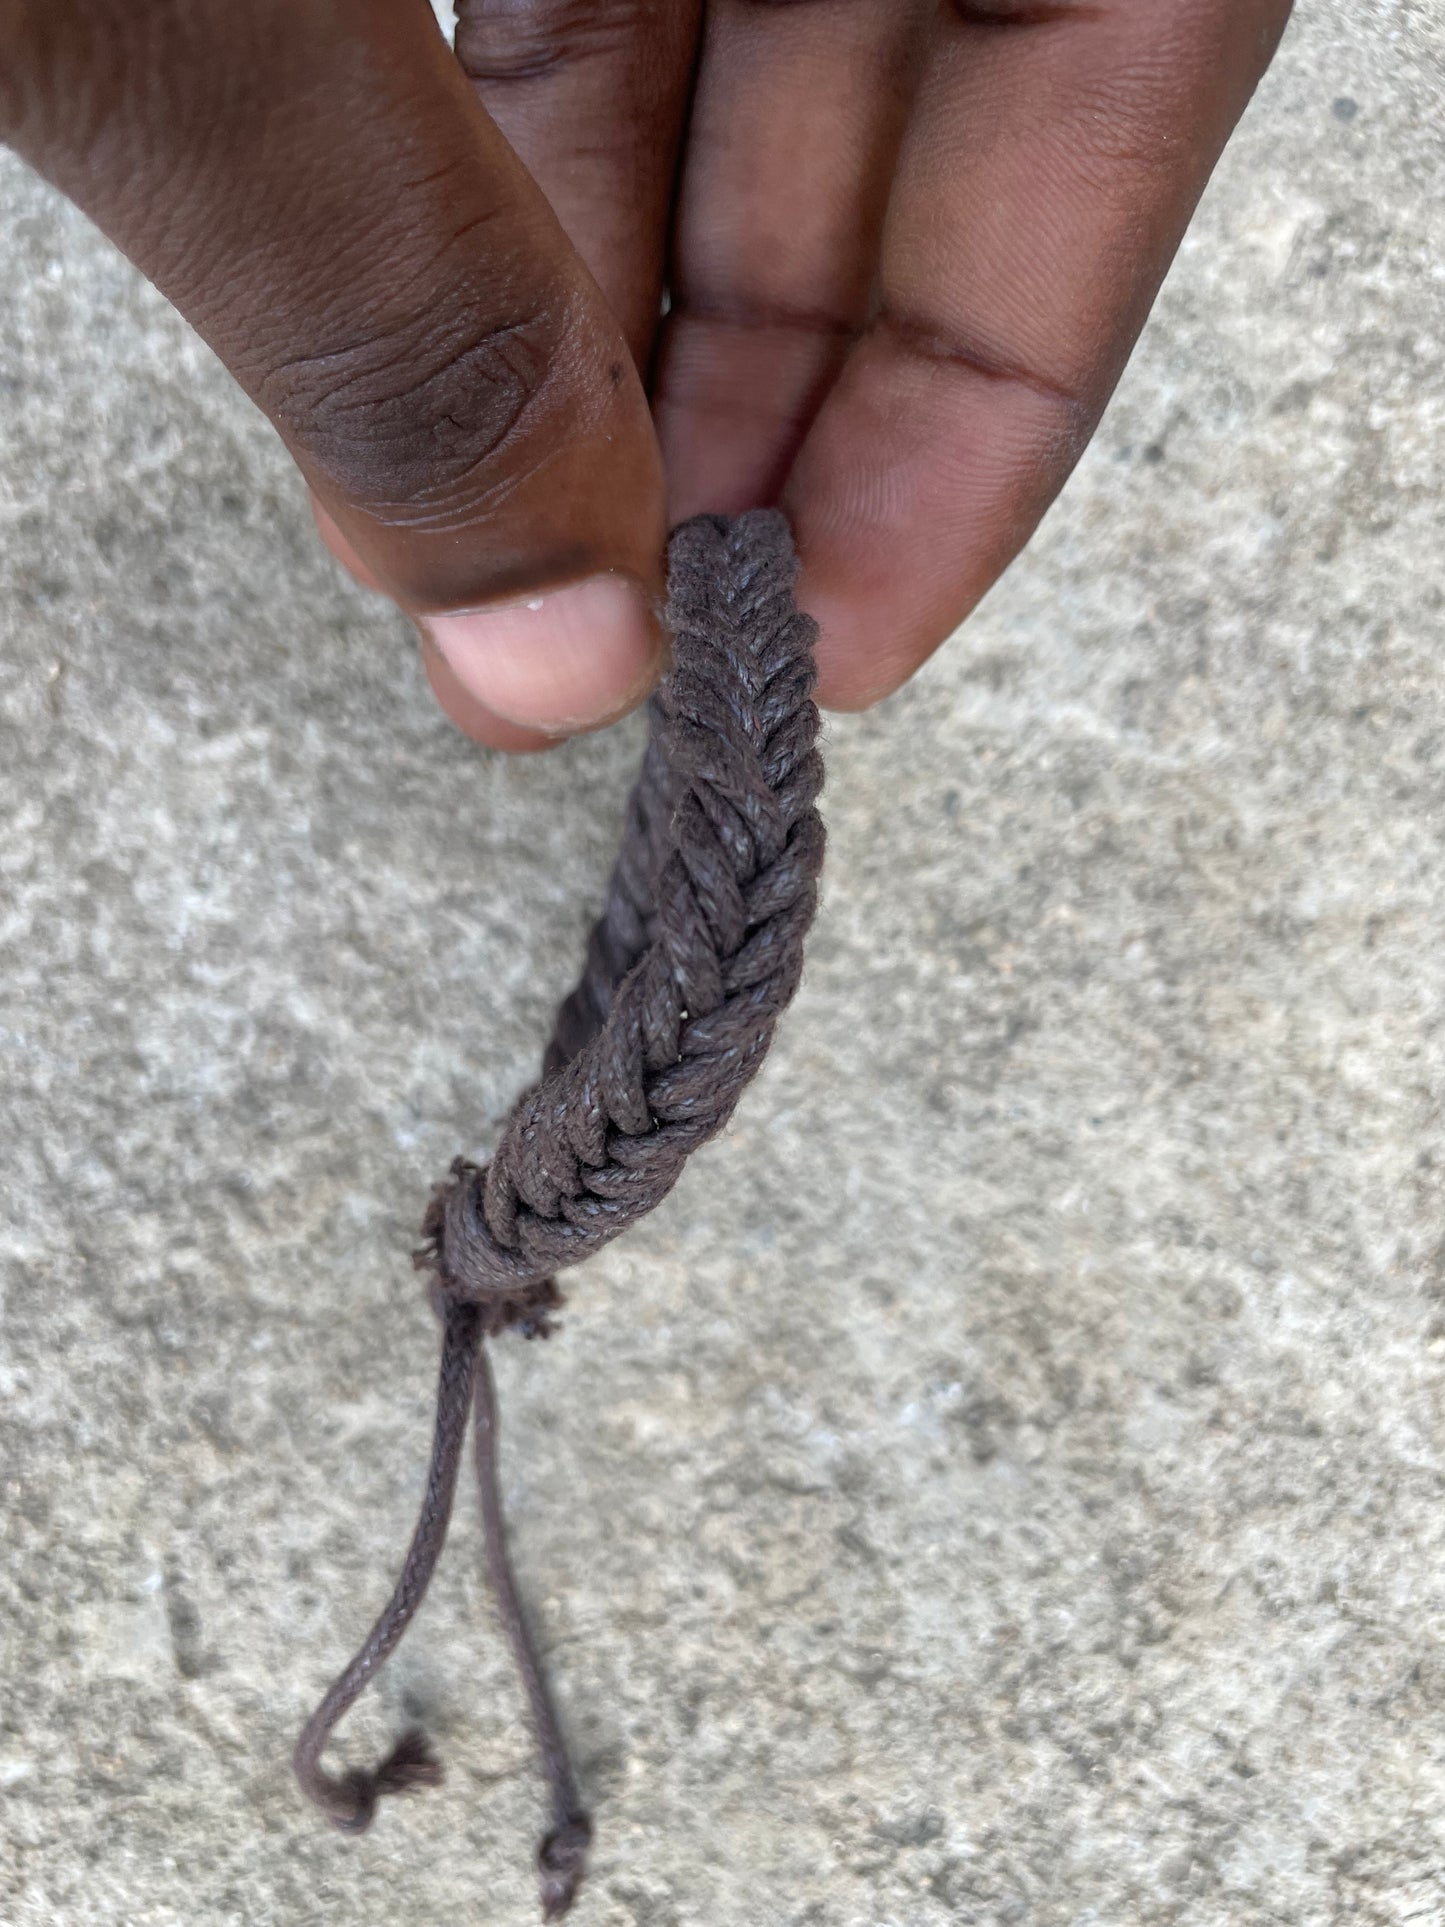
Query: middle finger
{"x": 797, "y": 116}
{"x": 592, "y": 95}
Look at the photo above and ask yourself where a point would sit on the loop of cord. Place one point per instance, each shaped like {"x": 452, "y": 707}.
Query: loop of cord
{"x": 696, "y": 955}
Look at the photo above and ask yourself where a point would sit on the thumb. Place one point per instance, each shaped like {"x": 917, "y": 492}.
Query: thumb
{"x": 321, "y": 195}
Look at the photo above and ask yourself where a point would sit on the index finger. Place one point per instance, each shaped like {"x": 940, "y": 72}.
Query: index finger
{"x": 1052, "y": 162}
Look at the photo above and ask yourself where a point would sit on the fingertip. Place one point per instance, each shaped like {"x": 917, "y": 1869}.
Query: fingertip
{"x": 473, "y": 718}
{"x": 873, "y": 634}
{"x": 563, "y": 661}
{"x": 882, "y": 607}
{"x": 853, "y": 674}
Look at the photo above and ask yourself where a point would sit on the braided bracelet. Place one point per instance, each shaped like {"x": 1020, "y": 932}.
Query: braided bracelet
{"x": 696, "y": 955}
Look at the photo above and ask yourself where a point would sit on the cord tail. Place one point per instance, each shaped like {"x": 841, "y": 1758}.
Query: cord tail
{"x": 349, "y": 1799}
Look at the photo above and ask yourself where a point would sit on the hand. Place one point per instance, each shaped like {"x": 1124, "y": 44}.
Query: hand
{"x": 908, "y": 245}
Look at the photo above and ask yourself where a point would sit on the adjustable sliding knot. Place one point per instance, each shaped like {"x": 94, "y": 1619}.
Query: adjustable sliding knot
{"x": 695, "y": 956}
{"x": 453, "y": 1252}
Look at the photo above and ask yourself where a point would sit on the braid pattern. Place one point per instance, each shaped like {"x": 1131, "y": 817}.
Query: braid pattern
{"x": 696, "y": 954}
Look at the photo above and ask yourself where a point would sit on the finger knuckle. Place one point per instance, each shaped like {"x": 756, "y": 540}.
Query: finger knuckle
{"x": 1019, "y": 13}
{"x": 517, "y": 40}
{"x": 419, "y": 422}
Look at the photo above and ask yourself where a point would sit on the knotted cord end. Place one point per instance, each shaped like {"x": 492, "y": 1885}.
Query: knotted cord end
{"x": 349, "y": 1800}
{"x": 410, "y": 1766}
{"x": 562, "y": 1861}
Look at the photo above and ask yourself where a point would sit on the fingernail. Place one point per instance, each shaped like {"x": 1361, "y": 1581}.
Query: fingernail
{"x": 557, "y": 662}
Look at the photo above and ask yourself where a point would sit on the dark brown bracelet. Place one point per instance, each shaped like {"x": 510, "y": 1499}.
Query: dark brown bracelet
{"x": 696, "y": 955}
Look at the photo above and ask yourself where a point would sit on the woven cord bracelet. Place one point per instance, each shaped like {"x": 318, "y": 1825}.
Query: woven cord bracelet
{"x": 697, "y": 953}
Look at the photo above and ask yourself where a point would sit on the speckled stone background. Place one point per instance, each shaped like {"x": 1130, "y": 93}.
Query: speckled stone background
{"x": 1006, "y": 1483}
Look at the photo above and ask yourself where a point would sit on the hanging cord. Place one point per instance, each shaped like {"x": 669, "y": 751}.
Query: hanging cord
{"x": 696, "y": 955}
{"x": 350, "y": 1801}
{"x": 562, "y": 1856}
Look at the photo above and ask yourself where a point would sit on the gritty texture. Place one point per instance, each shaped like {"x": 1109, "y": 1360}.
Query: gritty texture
{"x": 1003, "y": 1483}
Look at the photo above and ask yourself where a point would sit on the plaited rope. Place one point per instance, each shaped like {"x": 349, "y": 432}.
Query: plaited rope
{"x": 697, "y": 953}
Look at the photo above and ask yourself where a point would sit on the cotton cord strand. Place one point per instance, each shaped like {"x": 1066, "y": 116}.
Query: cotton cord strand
{"x": 562, "y": 1856}
{"x": 695, "y": 956}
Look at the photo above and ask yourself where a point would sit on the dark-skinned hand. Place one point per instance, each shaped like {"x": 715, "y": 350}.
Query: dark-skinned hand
{"x": 907, "y": 246}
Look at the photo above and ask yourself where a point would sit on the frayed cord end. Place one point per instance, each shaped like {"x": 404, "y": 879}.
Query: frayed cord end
{"x": 410, "y": 1766}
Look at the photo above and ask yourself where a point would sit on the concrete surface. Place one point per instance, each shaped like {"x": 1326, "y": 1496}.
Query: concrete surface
{"x": 1010, "y": 1491}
